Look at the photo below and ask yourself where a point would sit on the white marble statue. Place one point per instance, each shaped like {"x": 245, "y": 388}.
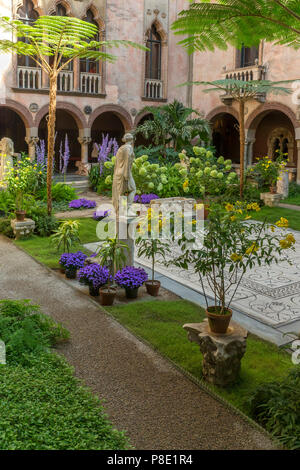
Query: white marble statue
{"x": 123, "y": 182}
{"x": 6, "y": 157}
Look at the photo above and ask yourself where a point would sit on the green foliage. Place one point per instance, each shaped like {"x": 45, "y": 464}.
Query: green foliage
{"x": 7, "y": 202}
{"x": 25, "y": 330}
{"x": 172, "y": 125}
{"x": 112, "y": 253}
{"x": 66, "y": 236}
{"x": 5, "y": 227}
{"x": 251, "y": 193}
{"x": 151, "y": 247}
{"x": 208, "y": 25}
{"x": 43, "y": 406}
{"x": 276, "y": 405}
{"x": 294, "y": 189}
{"x": 44, "y": 224}
{"x": 266, "y": 171}
{"x": 61, "y": 192}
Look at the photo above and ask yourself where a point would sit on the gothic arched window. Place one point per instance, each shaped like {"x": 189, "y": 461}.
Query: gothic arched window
{"x": 27, "y": 14}
{"x": 247, "y": 56}
{"x": 153, "y": 56}
{"x": 90, "y": 65}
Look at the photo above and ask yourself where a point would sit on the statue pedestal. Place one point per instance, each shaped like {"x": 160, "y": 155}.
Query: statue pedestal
{"x": 222, "y": 354}
{"x": 271, "y": 200}
{"x": 23, "y": 229}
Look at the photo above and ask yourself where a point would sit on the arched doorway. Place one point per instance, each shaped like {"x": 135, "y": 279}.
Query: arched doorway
{"x": 107, "y": 123}
{"x": 65, "y": 125}
{"x": 226, "y": 136}
{"x": 12, "y": 126}
{"x": 275, "y": 131}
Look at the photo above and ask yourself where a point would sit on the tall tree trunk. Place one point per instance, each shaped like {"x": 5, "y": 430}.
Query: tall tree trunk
{"x": 242, "y": 145}
{"x": 51, "y": 138}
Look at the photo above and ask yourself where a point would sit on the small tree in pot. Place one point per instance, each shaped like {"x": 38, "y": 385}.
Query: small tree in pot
{"x": 228, "y": 248}
{"x": 113, "y": 254}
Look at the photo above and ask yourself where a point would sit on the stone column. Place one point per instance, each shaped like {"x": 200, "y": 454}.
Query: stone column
{"x": 84, "y": 139}
{"x": 283, "y": 183}
{"x": 250, "y": 139}
{"x": 31, "y": 139}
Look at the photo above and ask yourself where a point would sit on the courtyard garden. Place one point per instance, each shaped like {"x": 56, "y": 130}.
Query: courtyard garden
{"x": 108, "y": 317}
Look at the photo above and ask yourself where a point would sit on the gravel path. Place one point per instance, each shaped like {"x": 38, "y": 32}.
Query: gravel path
{"x": 144, "y": 395}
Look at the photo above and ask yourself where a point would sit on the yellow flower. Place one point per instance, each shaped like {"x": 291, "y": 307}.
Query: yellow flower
{"x": 229, "y": 207}
{"x": 272, "y": 228}
{"x": 235, "y": 257}
{"x": 248, "y": 217}
{"x": 185, "y": 184}
{"x": 290, "y": 238}
{"x": 284, "y": 244}
{"x": 282, "y": 222}
{"x": 233, "y": 218}
{"x": 252, "y": 249}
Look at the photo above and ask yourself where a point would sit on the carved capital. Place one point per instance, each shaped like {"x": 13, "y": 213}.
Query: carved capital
{"x": 84, "y": 140}
{"x": 32, "y": 141}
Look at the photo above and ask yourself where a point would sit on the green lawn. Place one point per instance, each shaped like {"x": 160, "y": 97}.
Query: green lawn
{"x": 160, "y": 323}
{"x": 40, "y": 247}
{"x": 292, "y": 200}
{"x": 274, "y": 213}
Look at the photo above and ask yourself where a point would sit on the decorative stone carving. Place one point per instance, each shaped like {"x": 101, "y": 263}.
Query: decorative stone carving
{"x": 281, "y": 138}
{"x": 271, "y": 200}
{"x": 6, "y": 157}
{"x": 283, "y": 183}
{"x": 222, "y": 354}
{"x": 22, "y": 229}
{"x": 83, "y": 168}
{"x": 31, "y": 142}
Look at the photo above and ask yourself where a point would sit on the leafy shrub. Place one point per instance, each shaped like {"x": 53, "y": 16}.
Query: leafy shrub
{"x": 44, "y": 224}
{"x": 60, "y": 193}
{"x": 24, "y": 330}
{"x": 5, "y": 228}
{"x": 66, "y": 235}
{"x": 7, "y": 202}
{"x": 276, "y": 405}
{"x": 294, "y": 190}
{"x": 43, "y": 406}
{"x": 251, "y": 193}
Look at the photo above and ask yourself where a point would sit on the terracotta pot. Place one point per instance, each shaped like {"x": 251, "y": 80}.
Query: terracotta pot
{"x": 94, "y": 292}
{"x": 71, "y": 273}
{"x": 218, "y": 323}
{"x": 273, "y": 189}
{"x": 20, "y": 216}
{"x": 131, "y": 292}
{"x": 152, "y": 287}
{"x": 107, "y": 296}
{"x": 62, "y": 270}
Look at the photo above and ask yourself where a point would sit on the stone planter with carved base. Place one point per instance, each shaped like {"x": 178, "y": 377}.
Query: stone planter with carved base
{"x": 23, "y": 229}
{"x": 271, "y": 200}
{"x": 222, "y": 353}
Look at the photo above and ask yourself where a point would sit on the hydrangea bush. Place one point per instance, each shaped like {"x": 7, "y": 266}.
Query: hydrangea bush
{"x": 131, "y": 277}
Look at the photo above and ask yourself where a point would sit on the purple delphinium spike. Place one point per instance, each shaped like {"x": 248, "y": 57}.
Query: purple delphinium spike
{"x": 61, "y": 157}
{"x": 41, "y": 153}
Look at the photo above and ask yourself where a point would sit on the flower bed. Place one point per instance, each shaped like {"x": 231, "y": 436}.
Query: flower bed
{"x": 100, "y": 215}
{"x": 145, "y": 198}
{"x": 82, "y": 204}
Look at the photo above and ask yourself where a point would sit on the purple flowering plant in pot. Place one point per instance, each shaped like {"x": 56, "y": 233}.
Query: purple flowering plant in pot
{"x": 131, "y": 279}
{"x": 71, "y": 262}
{"x": 82, "y": 204}
{"x": 94, "y": 276}
{"x": 100, "y": 215}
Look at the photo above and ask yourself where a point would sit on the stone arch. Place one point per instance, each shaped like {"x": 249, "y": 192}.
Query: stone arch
{"x": 97, "y": 17}
{"x": 36, "y": 7}
{"x": 222, "y": 110}
{"x": 71, "y": 108}
{"x": 259, "y": 113}
{"x": 21, "y": 110}
{"x": 139, "y": 117}
{"x": 123, "y": 115}
{"x": 66, "y": 4}
{"x": 159, "y": 28}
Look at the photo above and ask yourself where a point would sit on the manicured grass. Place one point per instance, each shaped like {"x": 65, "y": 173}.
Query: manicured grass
{"x": 42, "y": 405}
{"x": 41, "y": 249}
{"x": 292, "y": 200}
{"x": 274, "y": 213}
{"x": 160, "y": 323}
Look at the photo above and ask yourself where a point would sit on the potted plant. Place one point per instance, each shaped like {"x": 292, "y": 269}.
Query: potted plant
{"x": 131, "y": 279}
{"x": 266, "y": 172}
{"x": 112, "y": 254}
{"x": 150, "y": 245}
{"x": 71, "y": 262}
{"x": 94, "y": 276}
{"x": 66, "y": 236}
{"x": 222, "y": 254}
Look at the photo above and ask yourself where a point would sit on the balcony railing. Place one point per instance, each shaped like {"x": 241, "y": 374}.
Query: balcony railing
{"x": 65, "y": 81}
{"x": 29, "y": 78}
{"x": 153, "y": 89}
{"x": 246, "y": 74}
{"x": 90, "y": 83}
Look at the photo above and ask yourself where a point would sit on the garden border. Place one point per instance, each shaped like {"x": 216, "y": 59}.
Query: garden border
{"x": 187, "y": 374}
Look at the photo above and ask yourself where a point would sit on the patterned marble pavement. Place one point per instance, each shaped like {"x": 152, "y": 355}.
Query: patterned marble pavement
{"x": 270, "y": 294}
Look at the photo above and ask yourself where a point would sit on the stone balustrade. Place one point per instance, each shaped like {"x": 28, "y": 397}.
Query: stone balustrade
{"x": 90, "y": 83}
{"x": 153, "y": 89}
{"x": 29, "y": 78}
{"x": 65, "y": 81}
